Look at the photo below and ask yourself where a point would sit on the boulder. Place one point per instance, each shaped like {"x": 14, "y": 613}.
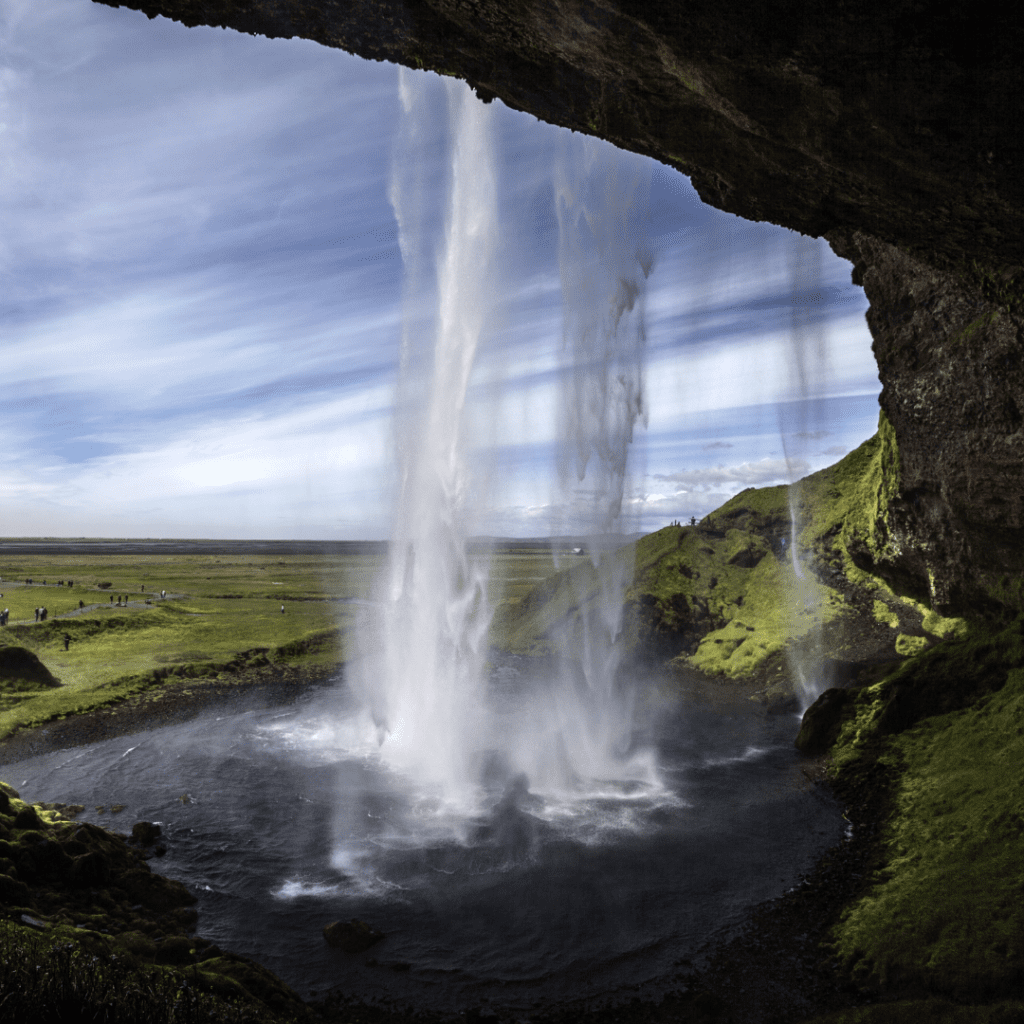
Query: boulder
{"x": 13, "y": 892}
{"x": 89, "y": 871}
{"x": 177, "y": 949}
{"x": 821, "y": 721}
{"x": 21, "y": 669}
{"x": 28, "y": 818}
{"x": 351, "y": 936}
{"x": 145, "y": 833}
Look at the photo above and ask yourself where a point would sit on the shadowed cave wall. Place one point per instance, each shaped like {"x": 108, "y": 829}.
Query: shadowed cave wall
{"x": 890, "y": 128}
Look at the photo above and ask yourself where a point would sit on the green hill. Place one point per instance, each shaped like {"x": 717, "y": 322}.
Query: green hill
{"x": 724, "y": 598}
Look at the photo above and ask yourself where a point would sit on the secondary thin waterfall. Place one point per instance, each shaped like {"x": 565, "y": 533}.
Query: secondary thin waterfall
{"x": 809, "y": 369}
{"x": 604, "y": 262}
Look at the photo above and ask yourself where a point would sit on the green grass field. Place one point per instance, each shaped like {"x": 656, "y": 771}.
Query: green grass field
{"x": 220, "y": 613}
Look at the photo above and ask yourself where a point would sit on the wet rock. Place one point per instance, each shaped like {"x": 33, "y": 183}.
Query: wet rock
{"x": 145, "y": 833}
{"x": 68, "y": 811}
{"x": 351, "y": 936}
{"x": 783, "y": 704}
{"x": 821, "y": 721}
{"x": 154, "y": 892}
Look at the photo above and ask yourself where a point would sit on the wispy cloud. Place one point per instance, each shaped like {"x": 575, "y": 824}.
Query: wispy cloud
{"x": 202, "y": 300}
{"x": 766, "y": 473}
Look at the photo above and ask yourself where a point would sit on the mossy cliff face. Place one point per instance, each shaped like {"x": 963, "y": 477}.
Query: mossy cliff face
{"x": 890, "y": 128}
{"x": 950, "y": 358}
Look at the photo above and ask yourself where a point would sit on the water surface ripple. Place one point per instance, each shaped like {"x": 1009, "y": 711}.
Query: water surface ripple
{"x": 280, "y": 822}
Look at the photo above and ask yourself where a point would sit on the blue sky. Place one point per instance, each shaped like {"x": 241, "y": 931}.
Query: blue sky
{"x": 202, "y": 301}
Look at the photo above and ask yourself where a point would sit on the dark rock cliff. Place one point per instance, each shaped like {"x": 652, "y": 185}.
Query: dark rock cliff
{"x": 891, "y": 128}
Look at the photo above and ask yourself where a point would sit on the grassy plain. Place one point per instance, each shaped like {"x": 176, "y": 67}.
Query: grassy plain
{"x": 222, "y": 615}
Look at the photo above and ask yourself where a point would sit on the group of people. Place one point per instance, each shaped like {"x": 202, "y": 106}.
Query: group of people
{"x": 676, "y": 522}
{"x": 42, "y": 613}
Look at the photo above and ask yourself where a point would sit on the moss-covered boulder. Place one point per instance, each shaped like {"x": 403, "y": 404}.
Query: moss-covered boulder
{"x": 145, "y": 833}
{"x": 820, "y": 725}
{"x": 20, "y": 669}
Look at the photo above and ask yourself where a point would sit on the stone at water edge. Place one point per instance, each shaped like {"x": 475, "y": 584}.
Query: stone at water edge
{"x": 351, "y": 936}
{"x": 820, "y": 725}
{"x": 145, "y": 833}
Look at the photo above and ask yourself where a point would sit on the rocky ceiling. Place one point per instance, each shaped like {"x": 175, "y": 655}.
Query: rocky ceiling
{"x": 892, "y": 127}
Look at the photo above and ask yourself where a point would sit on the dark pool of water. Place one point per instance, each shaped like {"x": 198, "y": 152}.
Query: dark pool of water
{"x": 531, "y": 900}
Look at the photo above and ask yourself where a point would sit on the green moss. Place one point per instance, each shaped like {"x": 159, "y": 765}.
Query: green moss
{"x": 946, "y": 912}
{"x": 906, "y": 646}
{"x": 884, "y": 614}
{"x": 724, "y": 597}
{"x": 926, "y": 1011}
{"x": 939, "y": 626}
{"x": 70, "y": 973}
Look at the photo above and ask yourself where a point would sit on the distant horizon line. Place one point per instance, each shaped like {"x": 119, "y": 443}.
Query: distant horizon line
{"x": 482, "y": 538}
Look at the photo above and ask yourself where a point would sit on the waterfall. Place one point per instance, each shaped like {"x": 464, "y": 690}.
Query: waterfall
{"x": 420, "y": 665}
{"x": 421, "y": 647}
{"x": 808, "y": 369}
{"x": 605, "y": 259}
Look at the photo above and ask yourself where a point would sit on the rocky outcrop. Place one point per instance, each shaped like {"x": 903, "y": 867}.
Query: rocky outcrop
{"x": 21, "y": 669}
{"x": 890, "y": 128}
{"x": 950, "y": 359}
{"x": 89, "y": 889}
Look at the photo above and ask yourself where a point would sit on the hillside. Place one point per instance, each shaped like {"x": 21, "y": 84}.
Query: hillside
{"x": 727, "y": 599}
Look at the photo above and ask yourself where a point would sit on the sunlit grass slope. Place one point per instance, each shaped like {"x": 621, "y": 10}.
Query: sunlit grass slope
{"x": 725, "y": 598}
{"x": 221, "y": 615}
{"x": 946, "y": 911}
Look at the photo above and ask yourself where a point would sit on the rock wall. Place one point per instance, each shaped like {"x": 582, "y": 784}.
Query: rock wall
{"x": 892, "y": 128}
{"x": 949, "y": 351}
